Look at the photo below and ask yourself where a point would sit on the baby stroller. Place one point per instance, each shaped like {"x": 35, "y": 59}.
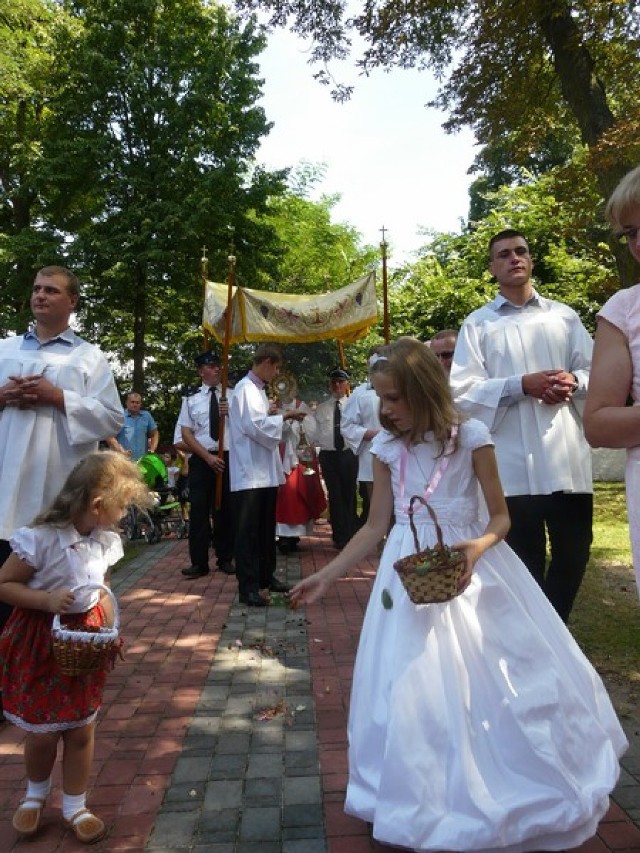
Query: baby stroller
{"x": 164, "y": 517}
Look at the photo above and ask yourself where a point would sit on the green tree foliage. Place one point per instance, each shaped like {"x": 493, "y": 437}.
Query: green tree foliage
{"x": 526, "y": 75}
{"x": 430, "y": 295}
{"x": 27, "y": 63}
{"x": 452, "y": 278}
{"x": 317, "y": 255}
{"x": 156, "y": 131}
{"x": 506, "y": 66}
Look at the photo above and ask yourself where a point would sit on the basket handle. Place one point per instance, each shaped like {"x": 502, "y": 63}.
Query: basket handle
{"x": 433, "y": 518}
{"x": 116, "y": 610}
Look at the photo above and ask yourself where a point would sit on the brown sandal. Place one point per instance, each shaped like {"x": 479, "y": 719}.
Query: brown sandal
{"x": 86, "y": 827}
{"x": 26, "y": 820}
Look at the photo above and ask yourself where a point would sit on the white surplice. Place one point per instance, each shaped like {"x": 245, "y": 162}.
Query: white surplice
{"x": 540, "y": 448}
{"x": 39, "y": 446}
{"x": 254, "y": 436}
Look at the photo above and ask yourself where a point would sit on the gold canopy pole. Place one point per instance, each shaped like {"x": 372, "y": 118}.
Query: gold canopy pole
{"x": 204, "y": 275}
{"x": 385, "y": 291}
{"x": 224, "y": 377}
{"x": 343, "y": 361}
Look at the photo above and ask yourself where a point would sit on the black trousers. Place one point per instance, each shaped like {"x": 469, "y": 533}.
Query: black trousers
{"x": 255, "y": 550}
{"x": 340, "y": 472}
{"x": 202, "y": 490}
{"x": 567, "y": 520}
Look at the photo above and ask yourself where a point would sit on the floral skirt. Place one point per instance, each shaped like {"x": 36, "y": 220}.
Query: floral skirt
{"x": 36, "y": 696}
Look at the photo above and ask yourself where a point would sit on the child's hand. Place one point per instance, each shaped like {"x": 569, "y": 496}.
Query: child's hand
{"x": 472, "y": 551}
{"x": 309, "y": 590}
{"x": 60, "y": 600}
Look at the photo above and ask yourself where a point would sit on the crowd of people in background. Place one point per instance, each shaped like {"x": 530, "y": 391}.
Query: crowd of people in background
{"x": 517, "y": 352}
{"x": 497, "y": 405}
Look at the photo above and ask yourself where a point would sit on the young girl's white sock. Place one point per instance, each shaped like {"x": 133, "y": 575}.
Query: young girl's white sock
{"x": 72, "y": 804}
{"x": 37, "y": 792}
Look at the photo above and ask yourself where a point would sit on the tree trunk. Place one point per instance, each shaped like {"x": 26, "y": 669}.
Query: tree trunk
{"x": 587, "y": 100}
{"x": 575, "y": 68}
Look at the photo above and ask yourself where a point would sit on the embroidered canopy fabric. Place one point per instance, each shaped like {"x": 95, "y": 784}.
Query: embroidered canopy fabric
{"x": 260, "y": 315}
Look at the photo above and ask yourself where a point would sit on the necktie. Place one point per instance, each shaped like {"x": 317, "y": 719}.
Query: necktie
{"x": 338, "y": 440}
{"x": 214, "y": 415}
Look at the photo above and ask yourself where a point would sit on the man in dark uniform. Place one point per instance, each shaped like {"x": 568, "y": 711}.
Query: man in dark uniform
{"x": 338, "y": 463}
{"x": 199, "y": 423}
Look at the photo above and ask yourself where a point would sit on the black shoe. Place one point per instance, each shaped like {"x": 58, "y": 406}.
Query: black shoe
{"x": 278, "y": 586}
{"x": 227, "y": 567}
{"x": 288, "y": 544}
{"x": 253, "y": 599}
{"x": 195, "y": 572}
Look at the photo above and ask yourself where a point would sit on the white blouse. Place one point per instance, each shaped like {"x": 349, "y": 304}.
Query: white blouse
{"x": 63, "y": 558}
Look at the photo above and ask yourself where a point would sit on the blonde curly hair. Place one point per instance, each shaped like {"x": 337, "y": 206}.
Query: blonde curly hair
{"x": 105, "y": 474}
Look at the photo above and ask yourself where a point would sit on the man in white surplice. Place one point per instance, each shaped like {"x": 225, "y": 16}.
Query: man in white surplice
{"x": 255, "y": 467}
{"x": 521, "y": 366}
{"x": 58, "y": 398}
{"x": 359, "y": 426}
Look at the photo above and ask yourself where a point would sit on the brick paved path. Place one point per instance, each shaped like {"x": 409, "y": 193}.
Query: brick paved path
{"x": 225, "y": 729}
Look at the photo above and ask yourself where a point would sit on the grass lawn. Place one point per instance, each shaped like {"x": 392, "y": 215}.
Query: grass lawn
{"x": 606, "y": 617}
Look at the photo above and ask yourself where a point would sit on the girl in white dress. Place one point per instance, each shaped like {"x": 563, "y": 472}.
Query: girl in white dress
{"x": 69, "y": 546}
{"x": 478, "y": 724}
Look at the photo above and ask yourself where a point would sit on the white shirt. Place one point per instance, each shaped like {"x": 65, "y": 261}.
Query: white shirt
{"x": 540, "y": 448}
{"x": 194, "y": 414}
{"x": 63, "y": 558}
{"x": 361, "y": 413}
{"x": 319, "y": 424}
{"x": 40, "y": 446}
{"x": 291, "y": 434}
{"x": 254, "y": 456}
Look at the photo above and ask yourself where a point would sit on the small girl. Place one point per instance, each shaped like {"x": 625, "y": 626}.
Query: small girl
{"x": 477, "y": 724}
{"x": 71, "y": 544}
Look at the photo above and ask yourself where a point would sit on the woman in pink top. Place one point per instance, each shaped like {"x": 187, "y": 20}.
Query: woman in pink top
{"x": 615, "y": 372}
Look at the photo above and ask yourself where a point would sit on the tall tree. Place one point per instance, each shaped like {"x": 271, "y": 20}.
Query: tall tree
{"x": 514, "y": 70}
{"x": 156, "y": 130}
{"x": 452, "y": 277}
{"x": 27, "y": 63}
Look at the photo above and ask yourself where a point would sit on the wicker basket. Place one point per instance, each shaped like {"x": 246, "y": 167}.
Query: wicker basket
{"x": 81, "y": 652}
{"x": 430, "y": 576}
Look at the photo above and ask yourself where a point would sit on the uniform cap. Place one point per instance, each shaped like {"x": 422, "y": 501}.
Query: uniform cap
{"x": 208, "y": 357}
{"x": 339, "y": 373}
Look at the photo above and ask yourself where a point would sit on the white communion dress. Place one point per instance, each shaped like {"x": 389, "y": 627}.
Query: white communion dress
{"x": 478, "y": 724}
